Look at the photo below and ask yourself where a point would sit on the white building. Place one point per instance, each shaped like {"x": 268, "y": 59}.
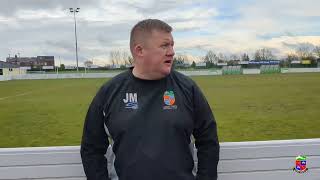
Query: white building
{"x": 10, "y": 69}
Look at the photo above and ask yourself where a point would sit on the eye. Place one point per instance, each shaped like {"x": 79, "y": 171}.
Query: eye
{"x": 165, "y": 45}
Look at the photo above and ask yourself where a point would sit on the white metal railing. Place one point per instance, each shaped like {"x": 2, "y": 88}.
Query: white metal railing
{"x": 109, "y": 75}
{"x": 262, "y": 160}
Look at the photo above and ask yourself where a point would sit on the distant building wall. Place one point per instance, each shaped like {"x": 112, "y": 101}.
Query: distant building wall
{"x": 32, "y": 62}
{"x": 13, "y": 71}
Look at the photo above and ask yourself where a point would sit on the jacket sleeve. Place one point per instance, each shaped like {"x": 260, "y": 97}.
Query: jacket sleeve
{"x": 95, "y": 141}
{"x": 206, "y": 138}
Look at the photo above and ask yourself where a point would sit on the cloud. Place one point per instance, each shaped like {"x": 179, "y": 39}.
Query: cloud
{"x": 11, "y": 8}
{"x": 33, "y": 27}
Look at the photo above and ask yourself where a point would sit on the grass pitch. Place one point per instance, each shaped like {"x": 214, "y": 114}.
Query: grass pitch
{"x": 246, "y": 107}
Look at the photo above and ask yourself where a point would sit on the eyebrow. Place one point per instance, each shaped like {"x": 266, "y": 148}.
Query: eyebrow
{"x": 166, "y": 39}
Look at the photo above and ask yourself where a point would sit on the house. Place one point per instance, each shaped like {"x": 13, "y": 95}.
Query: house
{"x": 39, "y": 62}
{"x": 10, "y": 69}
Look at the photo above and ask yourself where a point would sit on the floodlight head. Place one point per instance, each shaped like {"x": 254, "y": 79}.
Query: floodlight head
{"x": 71, "y": 9}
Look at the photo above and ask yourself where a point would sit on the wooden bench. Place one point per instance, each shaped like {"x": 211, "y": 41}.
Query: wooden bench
{"x": 259, "y": 160}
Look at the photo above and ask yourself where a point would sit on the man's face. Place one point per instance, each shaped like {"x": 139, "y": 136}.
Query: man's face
{"x": 158, "y": 53}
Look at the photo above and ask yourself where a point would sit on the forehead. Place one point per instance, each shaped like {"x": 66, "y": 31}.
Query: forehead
{"x": 161, "y": 35}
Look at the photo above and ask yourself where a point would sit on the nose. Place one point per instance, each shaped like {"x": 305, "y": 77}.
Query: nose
{"x": 170, "y": 51}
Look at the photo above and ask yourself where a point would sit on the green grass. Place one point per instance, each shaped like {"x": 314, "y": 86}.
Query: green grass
{"x": 246, "y": 107}
{"x": 264, "y": 107}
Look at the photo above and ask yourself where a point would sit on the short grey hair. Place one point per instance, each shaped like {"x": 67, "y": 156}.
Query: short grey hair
{"x": 145, "y": 27}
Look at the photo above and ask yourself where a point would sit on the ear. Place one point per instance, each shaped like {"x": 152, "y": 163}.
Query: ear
{"x": 138, "y": 50}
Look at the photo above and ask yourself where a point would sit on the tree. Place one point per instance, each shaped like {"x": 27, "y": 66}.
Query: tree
{"x": 234, "y": 57}
{"x": 316, "y": 50}
{"x": 126, "y": 58}
{"x": 193, "y": 65}
{"x": 115, "y": 57}
{"x": 210, "y": 58}
{"x": 179, "y": 61}
{"x": 222, "y": 57}
{"x": 287, "y": 61}
{"x": 264, "y": 54}
{"x": 292, "y": 57}
{"x": 120, "y": 57}
{"x": 129, "y": 61}
{"x": 88, "y": 63}
{"x": 62, "y": 67}
{"x": 304, "y": 51}
{"x": 245, "y": 57}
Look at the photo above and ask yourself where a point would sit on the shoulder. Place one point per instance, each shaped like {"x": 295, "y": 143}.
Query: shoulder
{"x": 113, "y": 84}
{"x": 123, "y": 76}
{"x": 188, "y": 85}
{"x": 116, "y": 80}
{"x": 182, "y": 79}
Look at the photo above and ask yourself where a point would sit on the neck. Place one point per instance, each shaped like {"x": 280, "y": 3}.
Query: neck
{"x": 147, "y": 75}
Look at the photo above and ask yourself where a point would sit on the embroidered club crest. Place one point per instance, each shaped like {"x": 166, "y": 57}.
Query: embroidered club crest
{"x": 301, "y": 164}
{"x": 168, "y": 98}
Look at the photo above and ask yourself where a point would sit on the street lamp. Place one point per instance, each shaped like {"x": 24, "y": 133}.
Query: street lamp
{"x": 74, "y": 11}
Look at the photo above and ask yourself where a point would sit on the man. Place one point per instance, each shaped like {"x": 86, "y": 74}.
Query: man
{"x": 148, "y": 114}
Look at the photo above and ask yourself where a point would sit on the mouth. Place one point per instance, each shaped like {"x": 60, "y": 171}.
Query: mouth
{"x": 168, "y": 62}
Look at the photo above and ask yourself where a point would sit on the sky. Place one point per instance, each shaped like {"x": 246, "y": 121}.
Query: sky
{"x": 31, "y": 28}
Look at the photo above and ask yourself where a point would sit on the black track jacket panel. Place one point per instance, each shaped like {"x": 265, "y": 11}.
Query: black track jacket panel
{"x": 150, "y": 123}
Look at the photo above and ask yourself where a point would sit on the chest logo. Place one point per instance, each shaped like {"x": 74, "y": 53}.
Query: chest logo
{"x": 131, "y": 101}
{"x": 169, "y": 100}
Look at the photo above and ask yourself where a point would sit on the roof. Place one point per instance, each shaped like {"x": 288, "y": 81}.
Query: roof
{"x": 7, "y": 65}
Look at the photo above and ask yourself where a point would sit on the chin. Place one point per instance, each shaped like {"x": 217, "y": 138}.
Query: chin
{"x": 166, "y": 71}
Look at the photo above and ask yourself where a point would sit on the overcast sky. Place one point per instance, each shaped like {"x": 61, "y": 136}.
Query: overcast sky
{"x": 46, "y": 27}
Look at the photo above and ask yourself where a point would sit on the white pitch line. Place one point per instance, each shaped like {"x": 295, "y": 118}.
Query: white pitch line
{"x": 26, "y": 93}
{"x": 22, "y": 94}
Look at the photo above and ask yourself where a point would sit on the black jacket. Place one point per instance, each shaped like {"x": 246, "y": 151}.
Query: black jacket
{"x": 149, "y": 124}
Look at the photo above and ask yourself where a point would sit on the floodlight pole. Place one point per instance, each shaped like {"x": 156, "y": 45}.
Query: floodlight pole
{"x": 74, "y": 11}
